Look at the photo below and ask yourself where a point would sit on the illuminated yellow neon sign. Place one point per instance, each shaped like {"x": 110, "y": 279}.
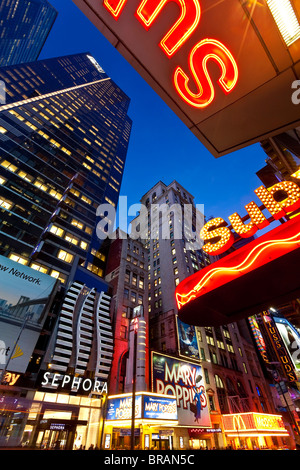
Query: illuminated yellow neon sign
{"x": 279, "y": 200}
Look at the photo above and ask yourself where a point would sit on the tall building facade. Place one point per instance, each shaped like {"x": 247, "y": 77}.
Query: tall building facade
{"x": 126, "y": 273}
{"x": 231, "y": 374}
{"x": 64, "y": 139}
{"x": 283, "y": 157}
{"x": 25, "y": 26}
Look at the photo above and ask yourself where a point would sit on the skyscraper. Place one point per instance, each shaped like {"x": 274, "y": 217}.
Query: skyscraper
{"x": 231, "y": 375}
{"x": 64, "y": 138}
{"x": 25, "y": 26}
{"x": 64, "y": 133}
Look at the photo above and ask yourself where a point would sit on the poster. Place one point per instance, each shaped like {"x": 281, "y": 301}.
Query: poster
{"x": 183, "y": 379}
{"x": 24, "y": 298}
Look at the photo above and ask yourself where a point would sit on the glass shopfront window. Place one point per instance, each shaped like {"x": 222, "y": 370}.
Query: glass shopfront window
{"x": 50, "y": 421}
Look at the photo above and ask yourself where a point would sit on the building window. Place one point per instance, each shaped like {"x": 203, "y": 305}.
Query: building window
{"x": 141, "y": 283}
{"x": 126, "y": 294}
{"x": 18, "y": 258}
{"x": 65, "y": 256}
{"x": 202, "y": 354}
{"x": 127, "y": 276}
{"x": 123, "y": 332}
{"x": 39, "y": 267}
{"x": 57, "y": 230}
{"x": 58, "y": 275}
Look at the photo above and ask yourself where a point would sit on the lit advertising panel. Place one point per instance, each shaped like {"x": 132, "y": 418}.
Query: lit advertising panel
{"x": 147, "y": 406}
{"x": 120, "y": 408}
{"x": 280, "y": 348}
{"x": 259, "y": 339}
{"x": 24, "y": 298}
{"x": 160, "y": 408}
{"x": 242, "y": 423}
{"x": 184, "y": 380}
{"x": 291, "y": 339}
{"x": 187, "y": 340}
{"x": 222, "y": 67}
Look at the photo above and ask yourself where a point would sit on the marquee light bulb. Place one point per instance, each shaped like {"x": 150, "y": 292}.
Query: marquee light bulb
{"x": 218, "y": 237}
{"x": 289, "y": 204}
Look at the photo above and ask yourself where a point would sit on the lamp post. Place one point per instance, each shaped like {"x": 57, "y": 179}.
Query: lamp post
{"x": 135, "y": 323}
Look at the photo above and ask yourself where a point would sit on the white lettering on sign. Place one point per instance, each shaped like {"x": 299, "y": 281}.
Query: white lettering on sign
{"x": 55, "y": 380}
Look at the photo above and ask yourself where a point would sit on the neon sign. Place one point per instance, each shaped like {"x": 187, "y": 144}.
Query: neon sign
{"x": 206, "y": 50}
{"x": 280, "y": 349}
{"x": 280, "y": 199}
{"x": 279, "y": 242}
{"x": 243, "y": 423}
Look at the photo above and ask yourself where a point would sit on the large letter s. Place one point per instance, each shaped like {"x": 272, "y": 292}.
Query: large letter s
{"x": 208, "y": 49}
{"x": 190, "y": 13}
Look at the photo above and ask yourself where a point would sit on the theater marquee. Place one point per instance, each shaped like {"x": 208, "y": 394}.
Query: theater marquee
{"x": 224, "y": 67}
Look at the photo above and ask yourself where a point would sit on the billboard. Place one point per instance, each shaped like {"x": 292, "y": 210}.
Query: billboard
{"x": 223, "y": 67}
{"x": 147, "y": 406}
{"x": 187, "y": 340}
{"x": 183, "y": 379}
{"x": 24, "y": 298}
{"x": 280, "y": 348}
{"x": 291, "y": 339}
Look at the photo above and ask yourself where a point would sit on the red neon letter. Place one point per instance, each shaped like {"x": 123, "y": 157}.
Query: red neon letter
{"x": 189, "y": 19}
{"x": 208, "y": 49}
{"x": 114, "y": 7}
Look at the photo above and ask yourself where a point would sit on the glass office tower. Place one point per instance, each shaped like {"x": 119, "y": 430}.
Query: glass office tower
{"x": 25, "y": 26}
{"x": 64, "y": 134}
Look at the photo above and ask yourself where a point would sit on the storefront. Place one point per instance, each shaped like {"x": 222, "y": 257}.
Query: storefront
{"x": 45, "y": 420}
{"x": 254, "y": 431}
{"x": 204, "y": 439}
{"x": 154, "y": 421}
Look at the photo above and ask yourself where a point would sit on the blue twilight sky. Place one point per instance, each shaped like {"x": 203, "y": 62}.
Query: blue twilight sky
{"x": 161, "y": 146}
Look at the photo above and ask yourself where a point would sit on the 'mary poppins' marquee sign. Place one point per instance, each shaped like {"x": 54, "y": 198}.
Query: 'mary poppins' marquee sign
{"x": 222, "y": 66}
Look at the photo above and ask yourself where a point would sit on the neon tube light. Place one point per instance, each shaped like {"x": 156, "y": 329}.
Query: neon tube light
{"x": 188, "y": 21}
{"x": 286, "y": 20}
{"x": 248, "y": 263}
{"x": 206, "y": 50}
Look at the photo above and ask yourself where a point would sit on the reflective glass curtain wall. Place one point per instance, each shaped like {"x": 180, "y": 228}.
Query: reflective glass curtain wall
{"x": 24, "y": 28}
{"x": 64, "y": 134}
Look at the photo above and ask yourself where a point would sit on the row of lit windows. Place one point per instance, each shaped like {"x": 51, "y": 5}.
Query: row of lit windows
{"x": 134, "y": 279}
{"x": 133, "y": 296}
{"x": 61, "y": 147}
{"x": 68, "y": 237}
{"x": 38, "y": 267}
{"x": 38, "y": 182}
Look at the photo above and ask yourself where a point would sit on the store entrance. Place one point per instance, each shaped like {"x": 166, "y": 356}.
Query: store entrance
{"x": 53, "y": 440}
{"x": 162, "y": 442}
{"x": 56, "y": 435}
